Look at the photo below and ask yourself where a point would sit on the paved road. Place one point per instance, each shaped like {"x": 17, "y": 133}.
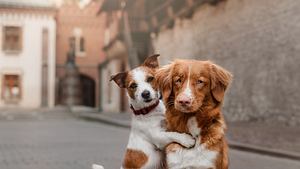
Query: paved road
{"x": 69, "y": 143}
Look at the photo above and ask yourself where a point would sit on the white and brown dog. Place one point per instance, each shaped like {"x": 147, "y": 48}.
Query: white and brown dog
{"x": 147, "y": 137}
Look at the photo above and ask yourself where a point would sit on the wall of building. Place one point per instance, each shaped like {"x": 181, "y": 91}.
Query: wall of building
{"x": 28, "y": 62}
{"x": 258, "y": 41}
{"x": 111, "y": 98}
{"x": 71, "y": 17}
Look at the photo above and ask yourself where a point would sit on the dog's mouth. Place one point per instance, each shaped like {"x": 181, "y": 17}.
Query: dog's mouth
{"x": 185, "y": 109}
{"x": 148, "y": 100}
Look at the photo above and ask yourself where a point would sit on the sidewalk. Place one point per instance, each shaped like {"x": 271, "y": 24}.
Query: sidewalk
{"x": 13, "y": 114}
{"x": 274, "y": 140}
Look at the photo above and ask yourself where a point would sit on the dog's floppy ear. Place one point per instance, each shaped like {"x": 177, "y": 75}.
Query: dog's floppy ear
{"x": 164, "y": 80}
{"x": 120, "y": 79}
{"x": 151, "y": 61}
{"x": 220, "y": 79}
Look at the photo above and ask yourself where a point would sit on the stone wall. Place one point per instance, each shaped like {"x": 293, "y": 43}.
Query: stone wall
{"x": 258, "y": 41}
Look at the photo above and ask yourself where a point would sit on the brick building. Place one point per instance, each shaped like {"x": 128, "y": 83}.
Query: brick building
{"x": 80, "y": 22}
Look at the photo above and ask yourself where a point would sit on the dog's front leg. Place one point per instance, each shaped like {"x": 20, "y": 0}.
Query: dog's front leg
{"x": 162, "y": 139}
{"x": 178, "y": 157}
{"x": 175, "y": 156}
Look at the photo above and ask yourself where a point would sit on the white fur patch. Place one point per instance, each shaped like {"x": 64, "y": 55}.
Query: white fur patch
{"x": 192, "y": 125}
{"x": 187, "y": 91}
{"x": 198, "y": 157}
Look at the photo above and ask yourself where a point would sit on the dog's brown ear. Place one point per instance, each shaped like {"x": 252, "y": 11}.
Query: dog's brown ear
{"x": 164, "y": 80}
{"x": 120, "y": 79}
{"x": 220, "y": 79}
{"x": 151, "y": 61}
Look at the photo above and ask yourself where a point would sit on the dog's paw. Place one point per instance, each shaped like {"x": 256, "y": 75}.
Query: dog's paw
{"x": 173, "y": 147}
{"x": 96, "y": 166}
{"x": 188, "y": 141}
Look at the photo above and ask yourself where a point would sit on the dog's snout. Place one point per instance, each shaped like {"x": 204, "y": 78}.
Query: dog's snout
{"x": 185, "y": 101}
{"x": 146, "y": 94}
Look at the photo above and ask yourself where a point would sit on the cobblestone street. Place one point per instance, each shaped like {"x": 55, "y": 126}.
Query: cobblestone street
{"x": 61, "y": 141}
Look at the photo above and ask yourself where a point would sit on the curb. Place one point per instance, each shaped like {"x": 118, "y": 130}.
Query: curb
{"x": 101, "y": 118}
{"x": 96, "y": 116}
{"x": 264, "y": 151}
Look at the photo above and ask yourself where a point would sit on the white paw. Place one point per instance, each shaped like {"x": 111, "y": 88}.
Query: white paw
{"x": 187, "y": 141}
{"x": 96, "y": 166}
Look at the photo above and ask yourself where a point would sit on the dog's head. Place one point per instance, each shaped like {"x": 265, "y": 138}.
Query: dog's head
{"x": 190, "y": 85}
{"x": 140, "y": 83}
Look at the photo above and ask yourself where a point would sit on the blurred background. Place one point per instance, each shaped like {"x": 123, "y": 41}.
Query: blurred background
{"x": 59, "y": 110}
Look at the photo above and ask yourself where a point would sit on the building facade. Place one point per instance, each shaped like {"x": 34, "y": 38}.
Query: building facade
{"x": 113, "y": 98}
{"x": 27, "y": 53}
{"x": 127, "y": 44}
{"x": 80, "y": 23}
{"x": 256, "y": 40}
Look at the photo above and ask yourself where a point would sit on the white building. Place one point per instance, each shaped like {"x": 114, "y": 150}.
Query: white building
{"x": 27, "y": 53}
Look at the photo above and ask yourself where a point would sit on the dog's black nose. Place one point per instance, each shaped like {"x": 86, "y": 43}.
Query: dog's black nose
{"x": 146, "y": 94}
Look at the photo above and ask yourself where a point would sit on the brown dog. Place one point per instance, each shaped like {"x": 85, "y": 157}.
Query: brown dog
{"x": 193, "y": 93}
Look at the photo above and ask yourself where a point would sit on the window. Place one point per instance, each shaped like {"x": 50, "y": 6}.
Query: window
{"x": 11, "y": 88}
{"x": 81, "y": 45}
{"x": 78, "y": 40}
{"x": 12, "y": 39}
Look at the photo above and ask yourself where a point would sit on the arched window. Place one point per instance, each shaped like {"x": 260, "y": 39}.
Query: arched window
{"x": 79, "y": 42}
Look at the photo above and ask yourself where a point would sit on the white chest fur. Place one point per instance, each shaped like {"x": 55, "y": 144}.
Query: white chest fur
{"x": 198, "y": 157}
{"x": 142, "y": 129}
{"x": 193, "y": 127}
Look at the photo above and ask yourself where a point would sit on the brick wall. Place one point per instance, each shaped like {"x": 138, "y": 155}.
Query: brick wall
{"x": 71, "y": 17}
{"x": 258, "y": 41}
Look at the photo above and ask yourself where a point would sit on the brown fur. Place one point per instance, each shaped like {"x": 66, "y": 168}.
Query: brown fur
{"x": 124, "y": 79}
{"x": 134, "y": 159}
{"x": 208, "y": 83}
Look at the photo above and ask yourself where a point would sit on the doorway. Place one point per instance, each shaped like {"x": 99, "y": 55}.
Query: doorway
{"x": 88, "y": 90}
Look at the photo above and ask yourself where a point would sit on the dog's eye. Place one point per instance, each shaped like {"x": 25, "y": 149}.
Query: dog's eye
{"x": 178, "y": 81}
{"x": 150, "y": 79}
{"x": 133, "y": 85}
{"x": 200, "y": 81}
